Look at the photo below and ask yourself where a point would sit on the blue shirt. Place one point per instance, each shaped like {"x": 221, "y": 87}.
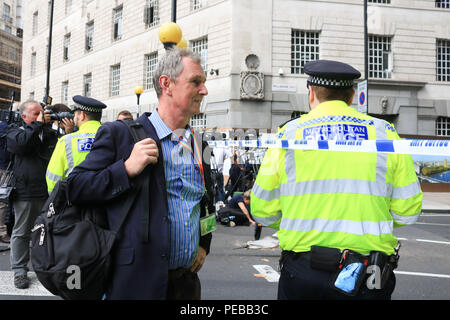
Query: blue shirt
{"x": 184, "y": 186}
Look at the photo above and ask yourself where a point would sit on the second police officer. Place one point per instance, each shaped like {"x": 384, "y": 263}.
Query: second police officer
{"x": 336, "y": 211}
{"x": 73, "y": 148}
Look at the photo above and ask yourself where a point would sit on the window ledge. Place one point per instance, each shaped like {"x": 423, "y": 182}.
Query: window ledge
{"x": 398, "y": 83}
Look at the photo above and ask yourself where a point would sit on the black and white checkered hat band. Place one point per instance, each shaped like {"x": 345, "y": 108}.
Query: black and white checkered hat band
{"x": 85, "y": 108}
{"x": 330, "y": 83}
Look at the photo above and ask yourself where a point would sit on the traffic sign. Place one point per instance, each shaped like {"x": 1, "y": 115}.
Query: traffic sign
{"x": 362, "y": 96}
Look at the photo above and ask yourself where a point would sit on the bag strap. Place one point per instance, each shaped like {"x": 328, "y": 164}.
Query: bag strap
{"x": 138, "y": 133}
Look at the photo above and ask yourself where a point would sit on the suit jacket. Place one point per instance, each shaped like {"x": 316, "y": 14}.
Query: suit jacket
{"x": 140, "y": 269}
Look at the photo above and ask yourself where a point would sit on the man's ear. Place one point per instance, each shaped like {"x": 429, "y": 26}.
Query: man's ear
{"x": 164, "y": 82}
{"x": 311, "y": 95}
{"x": 351, "y": 99}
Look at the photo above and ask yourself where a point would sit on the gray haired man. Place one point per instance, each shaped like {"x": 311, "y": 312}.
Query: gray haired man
{"x": 31, "y": 145}
{"x": 161, "y": 260}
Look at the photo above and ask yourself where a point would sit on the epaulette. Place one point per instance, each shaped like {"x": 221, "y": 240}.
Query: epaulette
{"x": 286, "y": 122}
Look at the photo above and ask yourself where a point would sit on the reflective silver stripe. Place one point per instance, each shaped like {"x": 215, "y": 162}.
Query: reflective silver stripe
{"x": 405, "y": 220}
{"x": 52, "y": 176}
{"x": 406, "y": 192}
{"x": 289, "y": 160}
{"x": 267, "y": 221}
{"x": 69, "y": 154}
{"x": 336, "y": 186}
{"x": 266, "y": 195}
{"x": 381, "y": 168}
{"x": 354, "y": 227}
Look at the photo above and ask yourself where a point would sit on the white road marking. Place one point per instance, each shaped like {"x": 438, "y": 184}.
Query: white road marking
{"x": 433, "y": 241}
{"x": 422, "y": 274}
{"x": 425, "y": 240}
{"x": 435, "y": 215}
{"x": 270, "y": 274}
{"x": 434, "y": 224}
{"x": 7, "y": 286}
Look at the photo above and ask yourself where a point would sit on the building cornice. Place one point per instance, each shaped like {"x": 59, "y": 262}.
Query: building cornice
{"x": 3, "y": 33}
{"x": 397, "y": 83}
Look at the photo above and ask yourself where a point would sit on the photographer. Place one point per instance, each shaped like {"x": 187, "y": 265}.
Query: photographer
{"x": 31, "y": 146}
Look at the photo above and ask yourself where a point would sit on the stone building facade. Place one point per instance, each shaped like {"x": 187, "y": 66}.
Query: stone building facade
{"x": 254, "y": 51}
{"x": 10, "y": 51}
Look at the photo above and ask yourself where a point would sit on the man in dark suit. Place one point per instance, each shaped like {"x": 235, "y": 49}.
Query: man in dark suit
{"x": 165, "y": 266}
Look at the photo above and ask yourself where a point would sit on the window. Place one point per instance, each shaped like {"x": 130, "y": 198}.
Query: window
{"x": 443, "y": 60}
{"x": 304, "y": 48}
{"x": 196, "y": 4}
{"x": 380, "y": 57}
{"x": 49, "y": 11}
{"x": 201, "y": 47}
{"x": 65, "y": 92}
{"x": 442, "y": 4}
{"x": 35, "y": 23}
{"x": 117, "y": 23}
{"x": 87, "y": 85}
{"x": 151, "y": 17}
{"x": 66, "y": 47}
{"x": 6, "y": 13}
{"x": 150, "y": 62}
{"x": 443, "y": 126}
{"x": 8, "y": 29}
{"x": 89, "y": 40}
{"x": 13, "y": 54}
{"x": 198, "y": 121}
{"x": 379, "y": 1}
{"x": 33, "y": 64}
{"x": 68, "y": 6}
{"x": 115, "y": 80}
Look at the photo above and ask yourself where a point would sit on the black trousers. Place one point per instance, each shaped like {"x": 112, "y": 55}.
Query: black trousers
{"x": 183, "y": 285}
{"x": 298, "y": 281}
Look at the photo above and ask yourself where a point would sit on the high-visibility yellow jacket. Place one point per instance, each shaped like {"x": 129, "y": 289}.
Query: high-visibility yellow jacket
{"x": 345, "y": 200}
{"x": 69, "y": 152}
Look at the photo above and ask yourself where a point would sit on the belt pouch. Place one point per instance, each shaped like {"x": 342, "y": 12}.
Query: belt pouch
{"x": 351, "y": 273}
{"x": 324, "y": 258}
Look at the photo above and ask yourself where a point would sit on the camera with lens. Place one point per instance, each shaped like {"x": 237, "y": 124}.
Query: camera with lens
{"x": 61, "y": 115}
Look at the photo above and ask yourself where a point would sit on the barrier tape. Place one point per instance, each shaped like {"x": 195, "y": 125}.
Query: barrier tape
{"x": 406, "y": 146}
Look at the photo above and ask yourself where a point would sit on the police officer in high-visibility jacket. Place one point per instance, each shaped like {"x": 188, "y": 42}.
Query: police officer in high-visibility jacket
{"x": 335, "y": 212}
{"x": 73, "y": 148}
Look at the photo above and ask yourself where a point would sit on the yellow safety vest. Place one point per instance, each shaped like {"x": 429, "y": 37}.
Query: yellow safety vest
{"x": 69, "y": 152}
{"x": 345, "y": 200}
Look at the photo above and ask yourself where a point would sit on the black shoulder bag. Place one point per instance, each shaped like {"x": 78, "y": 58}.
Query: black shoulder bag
{"x": 71, "y": 245}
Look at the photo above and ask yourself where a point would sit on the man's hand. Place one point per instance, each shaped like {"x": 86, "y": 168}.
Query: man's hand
{"x": 44, "y": 116}
{"x": 67, "y": 124}
{"x": 144, "y": 152}
{"x": 199, "y": 260}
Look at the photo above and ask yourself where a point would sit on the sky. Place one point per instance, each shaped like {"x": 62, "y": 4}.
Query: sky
{"x": 430, "y": 158}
